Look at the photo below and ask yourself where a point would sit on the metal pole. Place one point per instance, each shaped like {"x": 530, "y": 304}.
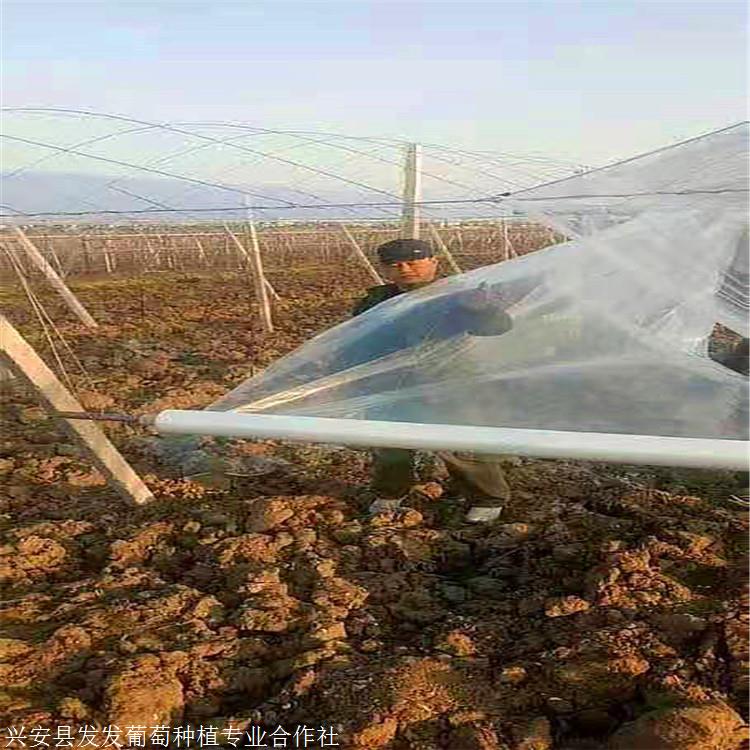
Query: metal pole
{"x": 650, "y": 450}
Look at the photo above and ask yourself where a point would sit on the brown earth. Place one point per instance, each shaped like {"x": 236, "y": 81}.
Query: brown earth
{"x": 603, "y": 610}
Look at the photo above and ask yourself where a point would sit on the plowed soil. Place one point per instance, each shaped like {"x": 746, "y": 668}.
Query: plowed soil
{"x": 606, "y": 608}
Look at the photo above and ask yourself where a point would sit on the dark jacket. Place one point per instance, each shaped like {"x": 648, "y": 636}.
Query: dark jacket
{"x": 375, "y": 295}
{"x": 479, "y": 312}
{"x": 431, "y": 320}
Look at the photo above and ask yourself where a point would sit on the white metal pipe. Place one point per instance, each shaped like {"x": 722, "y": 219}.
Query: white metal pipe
{"x": 649, "y": 450}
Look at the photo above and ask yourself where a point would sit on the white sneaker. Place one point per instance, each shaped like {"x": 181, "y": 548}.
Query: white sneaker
{"x": 478, "y": 514}
{"x": 384, "y": 505}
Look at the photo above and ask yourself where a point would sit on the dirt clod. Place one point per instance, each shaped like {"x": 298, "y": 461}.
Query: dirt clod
{"x": 457, "y": 643}
{"x": 147, "y": 692}
{"x": 712, "y": 726}
{"x": 566, "y": 605}
{"x": 536, "y": 735}
{"x": 265, "y": 514}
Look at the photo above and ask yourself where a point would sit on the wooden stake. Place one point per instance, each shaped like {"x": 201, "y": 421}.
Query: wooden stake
{"x": 363, "y": 259}
{"x": 510, "y": 251}
{"x": 261, "y": 283}
{"x": 412, "y": 193}
{"x": 201, "y": 251}
{"x": 444, "y": 250}
{"x": 59, "y": 285}
{"x": 259, "y": 280}
{"x": 153, "y": 255}
{"x": 71, "y": 260}
{"x": 248, "y": 259}
{"x": 270, "y": 289}
{"x": 107, "y": 260}
{"x": 86, "y": 256}
{"x": 60, "y": 270}
{"x": 19, "y": 357}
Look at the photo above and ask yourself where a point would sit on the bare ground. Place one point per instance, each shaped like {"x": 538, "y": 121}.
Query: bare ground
{"x": 607, "y": 608}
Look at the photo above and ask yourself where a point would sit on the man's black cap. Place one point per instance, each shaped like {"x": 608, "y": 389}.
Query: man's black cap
{"x": 396, "y": 250}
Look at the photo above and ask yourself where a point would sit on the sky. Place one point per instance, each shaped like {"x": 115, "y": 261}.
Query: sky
{"x": 589, "y": 81}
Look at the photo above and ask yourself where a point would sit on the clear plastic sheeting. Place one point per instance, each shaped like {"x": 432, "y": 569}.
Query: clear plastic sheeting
{"x": 734, "y": 291}
{"x": 709, "y": 173}
{"x": 605, "y": 333}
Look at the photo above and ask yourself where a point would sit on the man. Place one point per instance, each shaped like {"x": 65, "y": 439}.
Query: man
{"x": 409, "y": 265}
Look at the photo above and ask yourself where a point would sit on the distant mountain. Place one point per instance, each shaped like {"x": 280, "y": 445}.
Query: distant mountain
{"x": 150, "y": 199}
{"x": 37, "y": 192}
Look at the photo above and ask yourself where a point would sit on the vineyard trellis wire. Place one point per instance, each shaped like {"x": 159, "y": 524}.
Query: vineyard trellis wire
{"x": 170, "y": 187}
{"x": 93, "y": 252}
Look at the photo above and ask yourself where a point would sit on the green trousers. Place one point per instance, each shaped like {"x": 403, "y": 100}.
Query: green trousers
{"x": 477, "y": 477}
